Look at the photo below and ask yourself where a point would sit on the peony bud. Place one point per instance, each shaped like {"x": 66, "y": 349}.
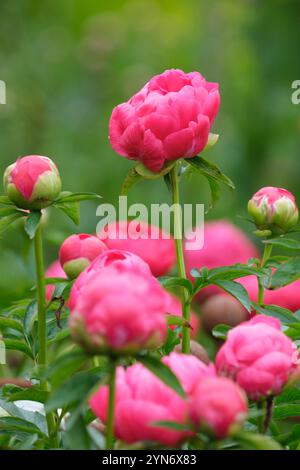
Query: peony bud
{"x": 273, "y": 210}
{"x": 77, "y": 252}
{"x": 32, "y": 182}
{"x": 123, "y": 311}
{"x": 219, "y": 406}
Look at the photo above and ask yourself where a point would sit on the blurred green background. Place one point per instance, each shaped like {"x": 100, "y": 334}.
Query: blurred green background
{"x": 67, "y": 63}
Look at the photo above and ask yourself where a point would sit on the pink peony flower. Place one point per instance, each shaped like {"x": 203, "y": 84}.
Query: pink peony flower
{"x": 54, "y": 270}
{"x": 77, "y": 252}
{"x": 142, "y": 400}
{"x": 258, "y": 356}
{"x": 273, "y": 209}
{"x": 224, "y": 245}
{"x": 149, "y": 242}
{"x": 219, "y": 405}
{"x": 119, "y": 310}
{"x": 174, "y": 308}
{"x": 121, "y": 260}
{"x": 32, "y": 182}
{"x": 169, "y": 118}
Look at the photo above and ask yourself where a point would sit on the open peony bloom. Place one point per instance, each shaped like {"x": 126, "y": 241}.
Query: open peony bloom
{"x": 77, "y": 252}
{"x": 258, "y": 356}
{"x": 153, "y": 245}
{"x": 54, "y": 270}
{"x": 224, "y": 245}
{"x": 273, "y": 209}
{"x": 169, "y": 118}
{"x": 121, "y": 260}
{"x": 218, "y": 405}
{"x": 32, "y": 182}
{"x": 142, "y": 400}
{"x": 122, "y": 311}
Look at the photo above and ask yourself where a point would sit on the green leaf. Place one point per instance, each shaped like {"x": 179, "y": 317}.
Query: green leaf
{"x": 17, "y": 345}
{"x": 5, "y": 222}
{"x": 33, "y": 394}
{"x": 68, "y": 196}
{"x": 221, "y": 331}
{"x": 18, "y": 424}
{"x": 287, "y": 243}
{"x": 64, "y": 366}
{"x": 215, "y": 192}
{"x": 168, "y": 183}
{"x": 286, "y": 411}
{"x": 147, "y": 174}
{"x": 172, "y": 340}
{"x": 257, "y": 441}
{"x": 6, "y": 201}
{"x": 286, "y": 273}
{"x": 71, "y": 209}
{"x": 77, "y": 435}
{"x": 171, "y": 282}
{"x": 32, "y": 223}
{"x": 6, "y": 322}
{"x": 131, "y": 180}
{"x": 210, "y": 170}
{"x": 236, "y": 290}
{"x": 284, "y": 315}
{"x": 176, "y": 320}
{"x": 171, "y": 425}
{"x": 163, "y": 372}
{"x": 74, "y": 391}
{"x": 30, "y": 316}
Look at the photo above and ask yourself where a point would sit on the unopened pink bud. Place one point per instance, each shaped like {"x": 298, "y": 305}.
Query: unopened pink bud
{"x": 32, "y": 182}
{"x": 77, "y": 252}
{"x": 274, "y": 210}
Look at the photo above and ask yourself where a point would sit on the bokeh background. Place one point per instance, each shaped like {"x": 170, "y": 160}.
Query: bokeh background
{"x": 67, "y": 63}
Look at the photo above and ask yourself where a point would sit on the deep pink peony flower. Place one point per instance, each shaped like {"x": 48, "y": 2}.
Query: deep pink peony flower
{"x": 54, "y": 270}
{"x": 119, "y": 310}
{"x": 174, "y": 308}
{"x": 224, "y": 244}
{"x": 142, "y": 399}
{"x": 218, "y": 404}
{"x": 32, "y": 182}
{"x": 273, "y": 209}
{"x": 258, "y": 356}
{"x": 77, "y": 252}
{"x": 147, "y": 241}
{"x": 121, "y": 260}
{"x": 169, "y": 118}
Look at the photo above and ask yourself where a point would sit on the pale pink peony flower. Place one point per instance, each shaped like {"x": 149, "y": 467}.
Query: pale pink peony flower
{"x": 120, "y": 310}
{"x": 77, "y": 252}
{"x": 32, "y": 182}
{"x": 142, "y": 400}
{"x": 169, "y": 118}
{"x": 218, "y": 405}
{"x": 273, "y": 209}
{"x": 54, "y": 270}
{"x": 258, "y": 356}
{"x": 121, "y": 260}
{"x": 153, "y": 245}
{"x": 224, "y": 245}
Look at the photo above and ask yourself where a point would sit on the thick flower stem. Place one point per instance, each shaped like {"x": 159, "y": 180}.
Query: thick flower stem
{"x": 42, "y": 329}
{"x": 268, "y": 415}
{"x": 265, "y": 258}
{"x": 111, "y": 406}
{"x": 41, "y": 298}
{"x": 180, "y": 259}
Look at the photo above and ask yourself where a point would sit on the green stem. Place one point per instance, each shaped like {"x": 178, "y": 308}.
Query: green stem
{"x": 268, "y": 415}
{"x": 42, "y": 328}
{"x": 185, "y": 301}
{"x": 266, "y": 255}
{"x": 41, "y": 298}
{"x": 111, "y": 407}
